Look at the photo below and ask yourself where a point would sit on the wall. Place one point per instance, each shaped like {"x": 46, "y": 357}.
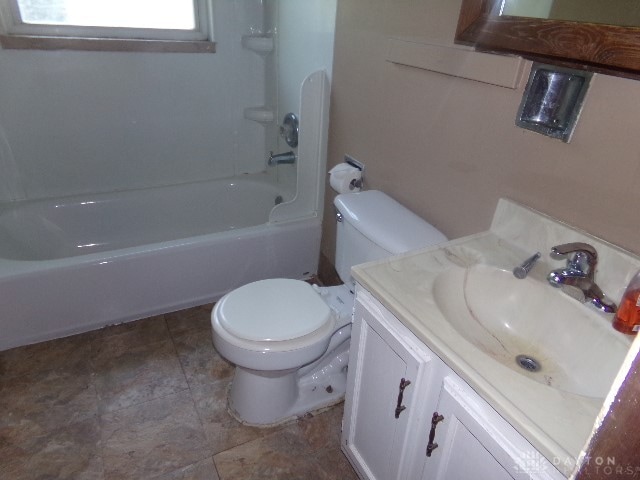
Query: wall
{"x": 304, "y": 44}
{"x": 80, "y": 122}
{"x": 448, "y": 147}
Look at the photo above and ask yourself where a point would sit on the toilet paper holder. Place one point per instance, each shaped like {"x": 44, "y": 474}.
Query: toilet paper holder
{"x": 360, "y": 166}
{"x": 357, "y": 183}
{"x": 347, "y": 177}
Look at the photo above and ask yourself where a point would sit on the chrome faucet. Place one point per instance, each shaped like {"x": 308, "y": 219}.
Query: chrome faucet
{"x": 576, "y": 279}
{"x": 280, "y": 158}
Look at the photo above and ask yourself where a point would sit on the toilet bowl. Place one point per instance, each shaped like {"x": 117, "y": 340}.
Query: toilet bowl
{"x": 270, "y": 330}
{"x": 289, "y": 339}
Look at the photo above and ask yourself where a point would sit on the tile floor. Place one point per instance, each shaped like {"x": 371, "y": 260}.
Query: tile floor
{"x": 146, "y": 400}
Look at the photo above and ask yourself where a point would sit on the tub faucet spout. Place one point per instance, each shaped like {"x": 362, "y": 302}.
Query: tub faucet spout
{"x": 281, "y": 158}
{"x": 577, "y": 279}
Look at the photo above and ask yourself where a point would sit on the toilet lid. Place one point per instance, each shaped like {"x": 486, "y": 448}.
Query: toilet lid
{"x": 273, "y": 310}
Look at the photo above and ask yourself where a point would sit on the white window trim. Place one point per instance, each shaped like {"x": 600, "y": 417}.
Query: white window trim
{"x": 16, "y": 34}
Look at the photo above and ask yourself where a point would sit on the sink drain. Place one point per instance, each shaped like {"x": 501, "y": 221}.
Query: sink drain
{"x": 528, "y": 363}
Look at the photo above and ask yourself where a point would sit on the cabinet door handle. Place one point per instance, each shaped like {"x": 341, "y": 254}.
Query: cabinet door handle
{"x": 399, "y": 408}
{"x": 431, "y": 446}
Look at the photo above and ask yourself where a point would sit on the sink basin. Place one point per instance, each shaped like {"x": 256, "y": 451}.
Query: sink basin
{"x": 532, "y": 328}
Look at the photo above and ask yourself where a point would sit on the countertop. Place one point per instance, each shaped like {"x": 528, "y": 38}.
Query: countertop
{"x": 557, "y": 423}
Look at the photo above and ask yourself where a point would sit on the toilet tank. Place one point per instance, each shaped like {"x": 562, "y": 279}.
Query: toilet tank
{"x": 372, "y": 226}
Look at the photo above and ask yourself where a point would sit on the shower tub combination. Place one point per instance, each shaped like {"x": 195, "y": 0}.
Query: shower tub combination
{"x": 75, "y": 264}
{"x": 78, "y": 263}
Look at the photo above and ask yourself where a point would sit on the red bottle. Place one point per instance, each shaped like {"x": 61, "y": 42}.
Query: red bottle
{"x": 627, "y": 319}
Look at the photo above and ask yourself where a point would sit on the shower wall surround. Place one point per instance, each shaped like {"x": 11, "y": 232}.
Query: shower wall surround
{"x": 303, "y": 27}
{"x": 299, "y": 28}
{"x": 81, "y": 122}
{"x": 10, "y": 182}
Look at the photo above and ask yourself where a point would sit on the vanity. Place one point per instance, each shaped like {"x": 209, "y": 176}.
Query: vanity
{"x": 458, "y": 369}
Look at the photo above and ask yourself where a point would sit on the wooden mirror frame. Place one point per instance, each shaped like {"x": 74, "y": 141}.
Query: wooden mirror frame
{"x": 609, "y": 49}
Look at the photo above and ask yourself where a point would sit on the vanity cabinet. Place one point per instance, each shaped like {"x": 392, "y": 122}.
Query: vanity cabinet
{"x": 388, "y": 371}
{"x": 434, "y": 428}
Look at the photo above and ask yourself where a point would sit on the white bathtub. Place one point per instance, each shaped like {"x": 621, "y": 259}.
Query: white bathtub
{"x": 79, "y": 263}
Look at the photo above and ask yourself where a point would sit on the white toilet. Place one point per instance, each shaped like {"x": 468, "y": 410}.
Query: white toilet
{"x": 288, "y": 339}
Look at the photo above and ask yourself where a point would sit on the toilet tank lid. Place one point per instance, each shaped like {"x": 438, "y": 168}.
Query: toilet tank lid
{"x": 386, "y": 222}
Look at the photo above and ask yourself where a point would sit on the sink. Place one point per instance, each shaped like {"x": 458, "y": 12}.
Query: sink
{"x": 532, "y": 328}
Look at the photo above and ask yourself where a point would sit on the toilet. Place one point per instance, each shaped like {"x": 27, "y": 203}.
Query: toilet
{"x": 289, "y": 339}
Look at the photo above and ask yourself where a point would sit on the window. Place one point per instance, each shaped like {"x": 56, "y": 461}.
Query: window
{"x": 156, "y": 25}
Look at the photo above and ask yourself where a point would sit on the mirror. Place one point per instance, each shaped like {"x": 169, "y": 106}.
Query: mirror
{"x": 612, "y": 12}
{"x": 587, "y": 41}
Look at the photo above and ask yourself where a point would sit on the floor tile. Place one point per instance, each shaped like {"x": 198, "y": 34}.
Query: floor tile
{"x": 153, "y": 438}
{"x": 67, "y": 354}
{"x": 282, "y": 455}
{"x": 71, "y": 452}
{"x": 39, "y": 403}
{"x": 133, "y": 374}
{"x": 322, "y": 430}
{"x": 147, "y": 400}
{"x": 222, "y": 430}
{"x": 200, "y": 362}
{"x": 203, "y": 470}
{"x": 148, "y": 330}
{"x": 335, "y": 464}
{"x": 197, "y": 318}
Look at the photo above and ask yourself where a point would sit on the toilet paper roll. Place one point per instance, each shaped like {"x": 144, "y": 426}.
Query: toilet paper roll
{"x": 344, "y": 178}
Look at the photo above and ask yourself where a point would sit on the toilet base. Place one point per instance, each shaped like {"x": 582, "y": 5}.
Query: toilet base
{"x": 266, "y": 398}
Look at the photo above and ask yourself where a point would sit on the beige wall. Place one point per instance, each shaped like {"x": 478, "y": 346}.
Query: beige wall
{"x": 448, "y": 148}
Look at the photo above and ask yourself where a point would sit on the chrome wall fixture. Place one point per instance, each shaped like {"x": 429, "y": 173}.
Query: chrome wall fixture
{"x": 552, "y": 100}
{"x": 289, "y": 129}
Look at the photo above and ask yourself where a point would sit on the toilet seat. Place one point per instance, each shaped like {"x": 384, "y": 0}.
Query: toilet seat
{"x": 274, "y": 310}
{"x": 272, "y": 354}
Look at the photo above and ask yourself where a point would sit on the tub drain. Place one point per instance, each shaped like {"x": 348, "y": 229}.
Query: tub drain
{"x": 528, "y": 363}
{"x": 279, "y": 200}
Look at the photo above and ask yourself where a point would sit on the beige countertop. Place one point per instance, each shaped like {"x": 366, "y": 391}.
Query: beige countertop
{"x": 555, "y": 422}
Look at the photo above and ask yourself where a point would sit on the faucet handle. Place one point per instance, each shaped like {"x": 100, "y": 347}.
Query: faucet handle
{"x": 560, "y": 251}
{"x": 581, "y": 257}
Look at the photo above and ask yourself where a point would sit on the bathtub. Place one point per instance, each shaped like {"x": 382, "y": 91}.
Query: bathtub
{"x": 75, "y": 264}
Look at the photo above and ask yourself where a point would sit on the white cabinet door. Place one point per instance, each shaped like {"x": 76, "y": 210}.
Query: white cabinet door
{"x": 379, "y": 435}
{"x": 473, "y": 441}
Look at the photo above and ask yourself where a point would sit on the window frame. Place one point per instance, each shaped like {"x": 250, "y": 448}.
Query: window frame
{"x": 16, "y": 34}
